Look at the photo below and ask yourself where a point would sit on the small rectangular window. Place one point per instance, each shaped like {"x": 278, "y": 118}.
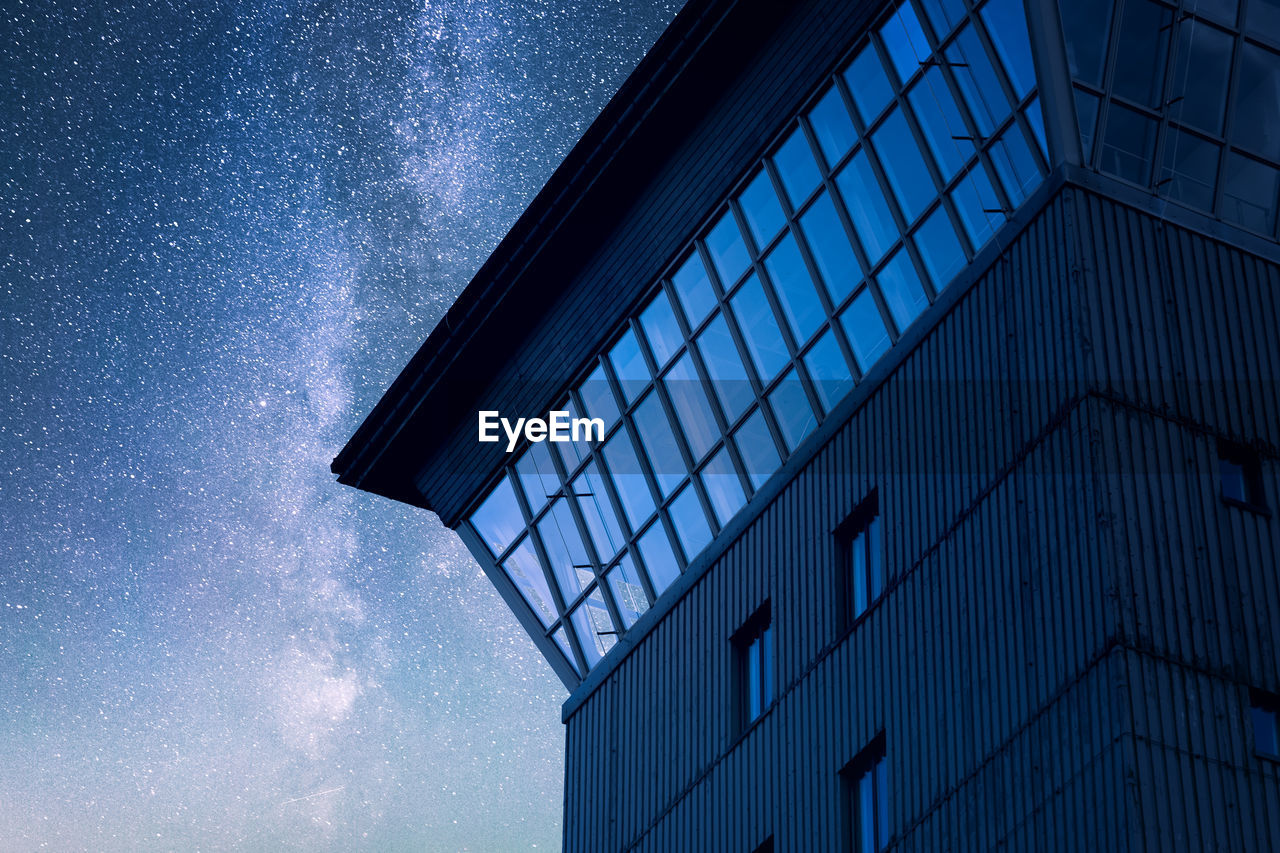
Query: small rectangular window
{"x": 1264, "y": 713}
{"x": 753, "y": 645}
{"x": 860, "y": 572}
{"x": 1240, "y": 470}
{"x": 865, "y": 793}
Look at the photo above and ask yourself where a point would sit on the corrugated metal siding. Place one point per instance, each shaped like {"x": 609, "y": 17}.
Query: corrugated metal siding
{"x": 1072, "y": 613}
{"x": 612, "y": 280}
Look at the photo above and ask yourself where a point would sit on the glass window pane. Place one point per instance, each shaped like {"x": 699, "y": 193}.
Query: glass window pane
{"x": 832, "y": 126}
{"x": 1127, "y": 145}
{"x": 868, "y": 84}
{"x": 1190, "y": 169}
{"x": 760, "y": 329}
{"x": 791, "y": 410}
{"x": 903, "y": 165}
{"x": 525, "y": 572}
{"x": 690, "y": 522}
{"x": 905, "y": 42}
{"x": 659, "y": 558}
{"x": 796, "y": 168}
{"x": 693, "y": 412}
{"x": 828, "y": 370}
{"x": 865, "y": 329}
{"x": 978, "y": 206}
{"x": 1249, "y": 193}
{"x": 628, "y": 591}
{"x": 566, "y": 554}
{"x": 1262, "y": 18}
{"x": 940, "y": 249}
{"x": 761, "y": 209}
{"x": 795, "y": 289}
{"x": 1143, "y": 51}
{"x": 597, "y": 512}
{"x": 867, "y": 207}
{"x": 571, "y": 452}
{"x": 629, "y": 366}
{"x": 693, "y": 289}
{"x": 498, "y": 519}
{"x": 593, "y": 627}
{"x": 1257, "y": 107}
{"x": 723, "y": 487}
{"x": 562, "y": 640}
{"x": 978, "y": 81}
{"x": 945, "y": 15}
{"x": 1201, "y": 75}
{"x": 628, "y": 478}
{"x": 1087, "y": 116}
{"x": 728, "y": 251}
{"x": 537, "y": 475}
{"x": 1007, "y": 25}
{"x": 1085, "y": 26}
{"x": 597, "y": 398}
{"x": 902, "y": 290}
{"x": 941, "y": 123}
{"x": 659, "y": 443}
{"x": 829, "y": 245}
{"x": 757, "y": 449}
{"x": 661, "y": 329}
{"x": 724, "y": 367}
{"x": 1015, "y": 164}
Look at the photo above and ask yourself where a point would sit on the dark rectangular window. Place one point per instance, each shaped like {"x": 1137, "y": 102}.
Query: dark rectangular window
{"x": 1264, "y": 713}
{"x": 753, "y": 644}
{"x": 860, "y": 571}
{"x": 1241, "y": 472}
{"x": 866, "y": 800}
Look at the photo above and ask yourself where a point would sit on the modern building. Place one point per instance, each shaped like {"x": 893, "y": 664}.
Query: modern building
{"x": 938, "y": 350}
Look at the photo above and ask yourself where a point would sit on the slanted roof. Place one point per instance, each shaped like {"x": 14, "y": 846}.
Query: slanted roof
{"x": 648, "y": 118}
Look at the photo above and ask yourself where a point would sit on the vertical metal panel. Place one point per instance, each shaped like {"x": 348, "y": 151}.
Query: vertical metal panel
{"x": 1072, "y": 612}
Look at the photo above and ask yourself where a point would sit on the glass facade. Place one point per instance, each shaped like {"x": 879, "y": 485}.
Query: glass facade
{"x": 1182, "y": 99}
{"x": 900, "y": 168}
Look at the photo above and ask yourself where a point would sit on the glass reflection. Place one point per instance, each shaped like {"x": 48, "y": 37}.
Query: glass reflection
{"x": 828, "y": 370}
{"x": 659, "y": 443}
{"x": 791, "y": 410}
{"x": 756, "y": 447}
{"x": 725, "y": 368}
{"x": 760, "y": 330}
{"x": 761, "y": 209}
{"x": 795, "y": 288}
{"x": 829, "y": 245}
{"x": 628, "y": 591}
{"x": 498, "y": 519}
{"x": 689, "y": 399}
{"x": 659, "y": 558}
{"x": 566, "y": 554}
{"x": 525, "y": 572}
{"x": 690, "y": 522}
{"x": 865, "y": 330}
{"x": 724, "y": 489}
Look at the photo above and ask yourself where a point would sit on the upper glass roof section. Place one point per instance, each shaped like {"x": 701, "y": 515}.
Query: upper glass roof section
{"x": 1182, "y": 99}
{"x": 899, "y": 169}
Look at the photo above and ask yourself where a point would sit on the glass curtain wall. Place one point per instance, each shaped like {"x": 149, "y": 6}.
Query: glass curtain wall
{"x": 1182, "y": 99}
{"x": 903, "y": 164}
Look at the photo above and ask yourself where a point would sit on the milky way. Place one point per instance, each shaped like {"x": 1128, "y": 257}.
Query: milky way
{"x": 222, "y": 232}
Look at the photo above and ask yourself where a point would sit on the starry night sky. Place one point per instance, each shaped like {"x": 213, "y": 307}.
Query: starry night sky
{"x": 223, "y": 230}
